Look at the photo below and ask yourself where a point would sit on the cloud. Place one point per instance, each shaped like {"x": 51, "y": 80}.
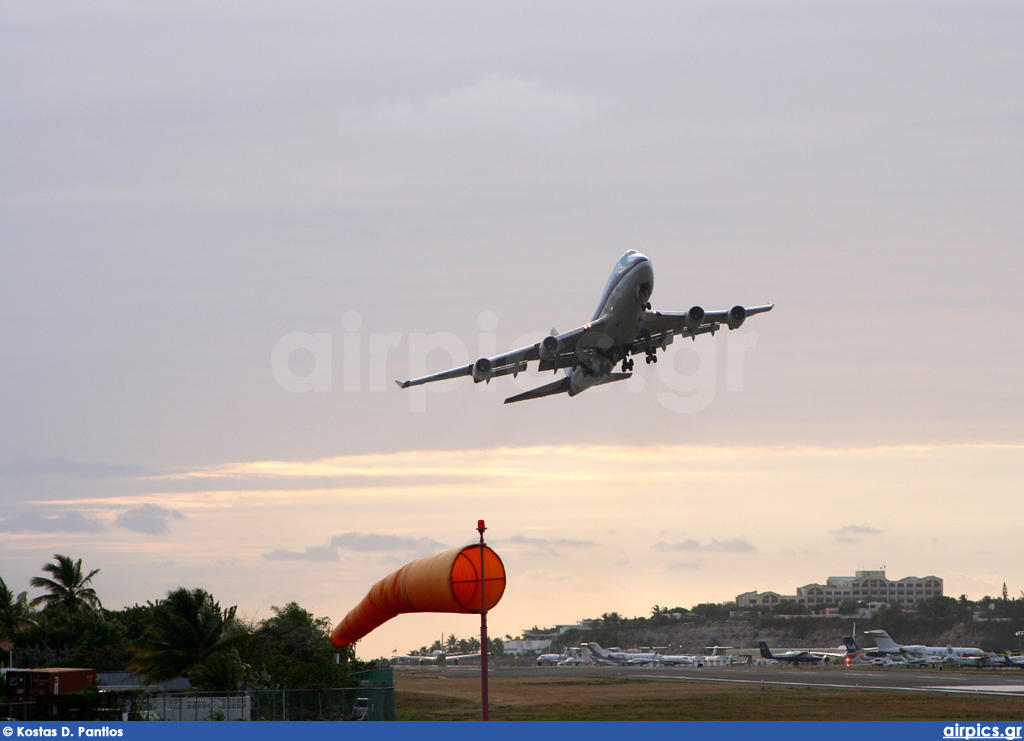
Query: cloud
{"x": 359, "y": 543}
{"x": 368, "y": 542}
{"x": 545, "y": 543}
{"x": 684, "y": 566}
{"x": 736, "y": 545}
{"x": 33, "y": 522}
{"x": 27, "y": 465}
{"x": 851, "y": 533}
{"x": 319, "y": 553}
{"x": 494, "y": 103}
{"x": 149, "y": 518}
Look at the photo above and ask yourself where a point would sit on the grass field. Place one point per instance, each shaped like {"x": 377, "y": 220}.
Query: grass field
{"x": 582, "y": 698}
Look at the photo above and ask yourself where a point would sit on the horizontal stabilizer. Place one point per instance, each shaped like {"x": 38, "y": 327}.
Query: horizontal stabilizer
{"x": 561, "y": 386}
{"x": 558, "y": 387}
{"x": 614, "y": 377}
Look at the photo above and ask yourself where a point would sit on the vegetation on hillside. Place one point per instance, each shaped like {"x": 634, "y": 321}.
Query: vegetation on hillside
{"x": 989, "y": 623}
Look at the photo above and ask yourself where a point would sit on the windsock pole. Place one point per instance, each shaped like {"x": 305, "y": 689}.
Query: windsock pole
{"x": 483, "y": 625}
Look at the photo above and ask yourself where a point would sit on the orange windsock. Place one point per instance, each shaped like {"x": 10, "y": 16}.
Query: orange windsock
{"x": 445, "y": 582}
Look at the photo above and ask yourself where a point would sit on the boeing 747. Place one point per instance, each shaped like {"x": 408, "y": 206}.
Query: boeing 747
{"x": 623, "y": 325}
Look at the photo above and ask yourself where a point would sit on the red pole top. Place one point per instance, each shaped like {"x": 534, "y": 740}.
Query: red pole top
{"x": 480, "y": 526}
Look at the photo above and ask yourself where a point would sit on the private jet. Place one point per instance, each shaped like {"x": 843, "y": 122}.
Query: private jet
{"x": 792, "y": 657}
{"x": 623, "y": 325}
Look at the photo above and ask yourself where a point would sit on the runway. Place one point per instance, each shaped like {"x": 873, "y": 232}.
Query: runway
{"x": 1002, "y": 682}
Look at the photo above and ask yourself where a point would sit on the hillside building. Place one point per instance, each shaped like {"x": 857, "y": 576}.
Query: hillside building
{"x": 864, "y": 586}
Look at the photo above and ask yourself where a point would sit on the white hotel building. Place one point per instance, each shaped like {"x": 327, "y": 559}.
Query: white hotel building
{"x": 865, "y": 586}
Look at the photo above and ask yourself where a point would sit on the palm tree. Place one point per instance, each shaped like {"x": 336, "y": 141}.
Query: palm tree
{"x": 69, "y": 590}
{"x": 14, "y": 615}
{"x": 13, "y": 611}
{"x": 189, "y": 635}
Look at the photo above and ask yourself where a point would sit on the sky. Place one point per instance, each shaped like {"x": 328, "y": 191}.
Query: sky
{"x": 225, "y": 230}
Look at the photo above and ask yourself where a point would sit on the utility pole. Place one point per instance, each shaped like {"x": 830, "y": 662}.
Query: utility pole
{"x": 480, "y": 527}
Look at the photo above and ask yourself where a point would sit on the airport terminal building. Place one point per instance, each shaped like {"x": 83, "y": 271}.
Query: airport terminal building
{"x": 865, "y": 586}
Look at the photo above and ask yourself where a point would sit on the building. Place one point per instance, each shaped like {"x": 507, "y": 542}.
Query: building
{"x": 864, "y": 586}
{"x": 27, "y": 685}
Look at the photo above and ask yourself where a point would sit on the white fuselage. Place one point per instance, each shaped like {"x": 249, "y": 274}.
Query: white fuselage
{"x": 624, "y": 304}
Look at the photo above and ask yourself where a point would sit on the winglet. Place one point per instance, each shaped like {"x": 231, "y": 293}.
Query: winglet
{"x": 402, "y": 384}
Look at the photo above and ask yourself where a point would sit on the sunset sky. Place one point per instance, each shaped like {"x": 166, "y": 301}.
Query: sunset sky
{"x": 227, "y": 229}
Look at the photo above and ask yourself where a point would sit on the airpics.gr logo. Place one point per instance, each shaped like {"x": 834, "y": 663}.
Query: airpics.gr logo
{"x": 981, "y": 730}
{"x": 687, "y": 379}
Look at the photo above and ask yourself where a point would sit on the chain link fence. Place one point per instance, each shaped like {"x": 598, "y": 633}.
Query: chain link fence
{"x": 374, "y": 699}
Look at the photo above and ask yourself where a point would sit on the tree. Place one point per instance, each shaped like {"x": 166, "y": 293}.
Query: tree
{"x": 611, "y": 619}
{"x": 14, "y": 612}
{"x": 293, "y": 649}
{"x": 69, "y": 589}
{"x": 189, "y": 635}
{"x": 849, "y": 607}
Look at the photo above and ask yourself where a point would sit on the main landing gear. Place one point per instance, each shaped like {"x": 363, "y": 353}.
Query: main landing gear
{"x": 627, "y": 364}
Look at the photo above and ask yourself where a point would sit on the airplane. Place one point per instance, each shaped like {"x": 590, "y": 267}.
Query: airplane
{"x": 435, "y": 657}
{"x": 1004, "y": 660}
{"x": 551, "y": 659}
{"x": 793, "y": 657}
{"x": 568, "y": 657}
{"x": 854, "y": 652}
{"x": 576, "y": 659}
{"x": 631, "y": 658}
{"x": 959, "y": 655}
{"x": 623, "y": 325}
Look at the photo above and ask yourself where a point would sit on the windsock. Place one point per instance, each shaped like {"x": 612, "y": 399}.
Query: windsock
{"x": 445, "y": 582}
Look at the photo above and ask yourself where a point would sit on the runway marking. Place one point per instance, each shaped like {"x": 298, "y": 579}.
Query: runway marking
{"x": 1003, "y": 689}
{"x": 986, "y": 689}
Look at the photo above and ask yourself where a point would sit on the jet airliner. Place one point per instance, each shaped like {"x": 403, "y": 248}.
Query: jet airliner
{"x": 623, "y": 325}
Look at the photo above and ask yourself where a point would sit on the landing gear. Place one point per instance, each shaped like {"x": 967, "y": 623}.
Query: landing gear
{"x": 651, "y": 358}
{"x": 627, "y": 364}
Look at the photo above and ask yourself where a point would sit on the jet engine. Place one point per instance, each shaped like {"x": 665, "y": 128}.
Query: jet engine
{"x": 481, "y": 370}
{"x": 549, "y": 347}
{"x": 736, "y": 316}
{"x": 694, "y": 317}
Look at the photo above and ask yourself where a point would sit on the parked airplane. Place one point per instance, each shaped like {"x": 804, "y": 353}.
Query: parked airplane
{"x": 436, "y": 657}
{"x": 959, "y": 655}
{"x": 633, "y": 658}
{"x": 1005, "y": 660}
{"x": 576, "y": 658}
{"x": 623, "y": 325}
{"x": 792, "y": 657}
{"x": 551, "y": 659}
{"x": 568, "y": 657}
{"x": 856, "y": 654}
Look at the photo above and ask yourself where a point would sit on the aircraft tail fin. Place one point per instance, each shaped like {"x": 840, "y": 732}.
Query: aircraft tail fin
{"x": 883, "y": 641}
{"x": 851, "y": 645}
{"x": 595, "y": 648}
{"x": 766, "y": 653}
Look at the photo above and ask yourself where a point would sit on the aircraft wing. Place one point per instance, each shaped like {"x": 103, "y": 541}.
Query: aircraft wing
{"x": 661, "y": 327}
{"x": 455, "y": 659}
{"x": 553, "y": 352}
